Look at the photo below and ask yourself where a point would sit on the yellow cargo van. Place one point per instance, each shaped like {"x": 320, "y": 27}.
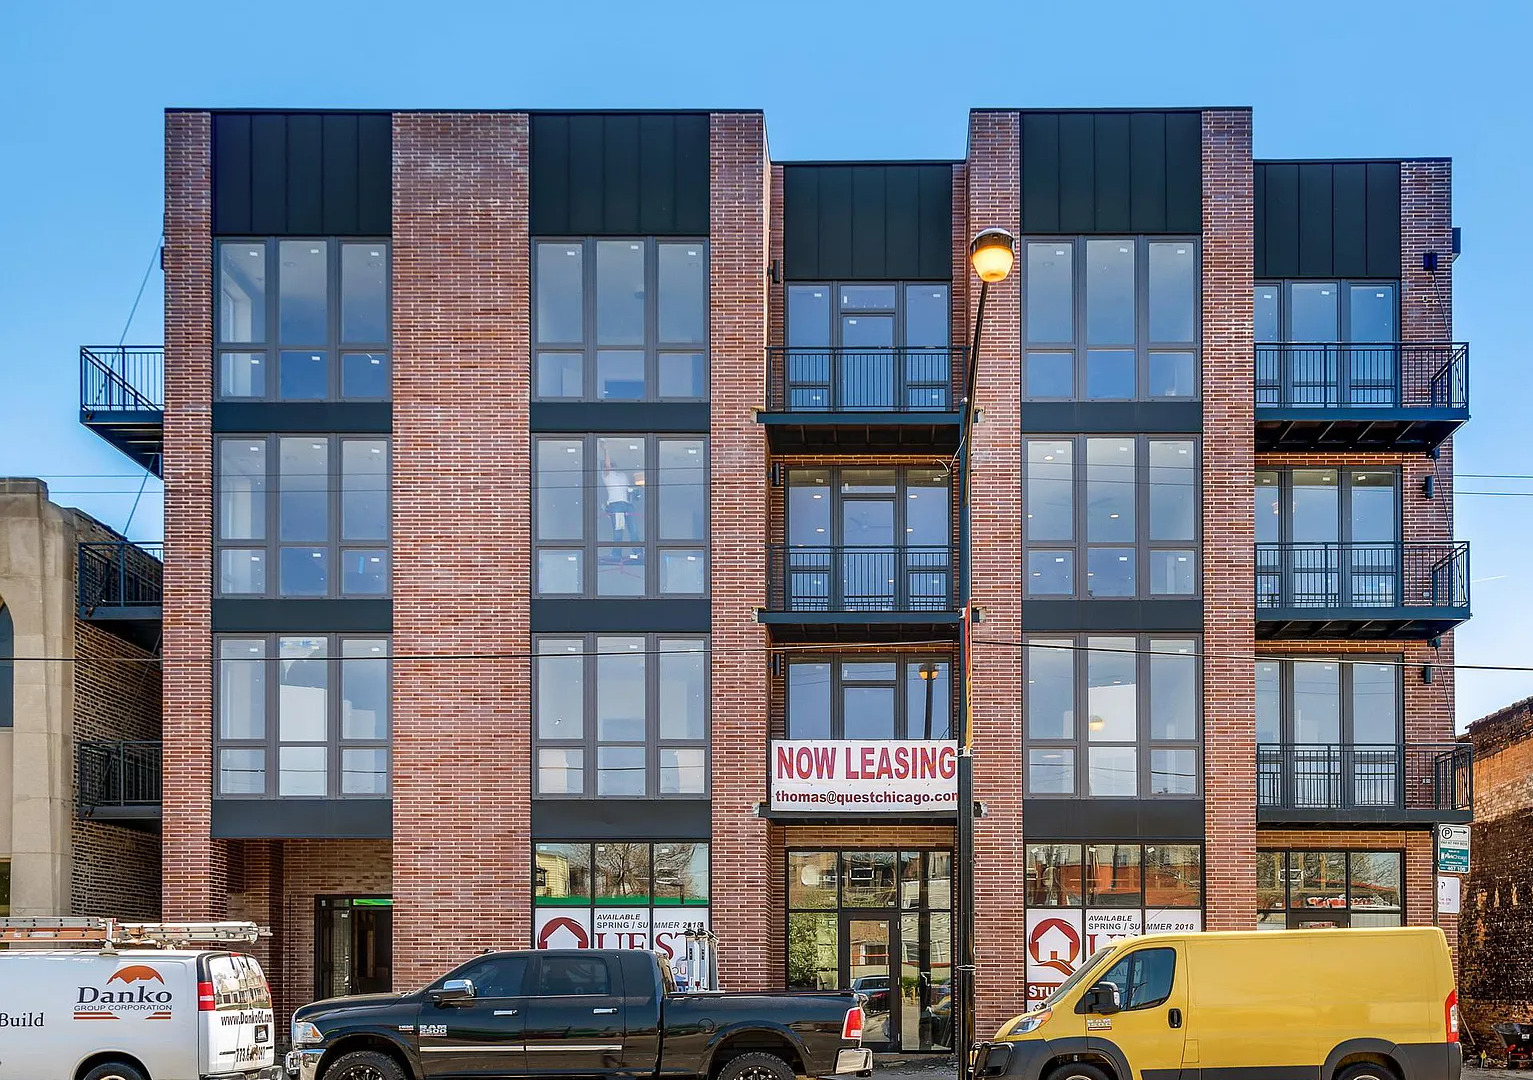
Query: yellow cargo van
{"x": 1258, "y": 1005}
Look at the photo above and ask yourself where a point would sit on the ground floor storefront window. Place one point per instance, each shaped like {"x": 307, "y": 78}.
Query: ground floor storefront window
{"x": 1313, "y": 889}
{"x": 1081, "y": 897}
{"x": 353, "y": 944}
{"x": 879, "y": 922}
{"x": 621, "y": 896}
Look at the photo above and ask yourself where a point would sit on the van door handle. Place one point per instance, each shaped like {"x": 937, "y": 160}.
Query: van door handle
{"x": 1174, "y": 1018}
{"x": 603, "y": 1012}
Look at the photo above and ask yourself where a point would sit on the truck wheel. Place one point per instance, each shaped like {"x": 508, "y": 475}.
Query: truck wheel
{"x": 1079, "y": 1070}
{"x": 1366, "y": 1070}
{"x": 364, "y": 1065}
{"x": 757, "y": 1067}
{"x": 114, "y": 1070}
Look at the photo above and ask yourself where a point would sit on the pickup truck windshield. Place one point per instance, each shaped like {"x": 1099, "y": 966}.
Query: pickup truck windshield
{"x": 1095, "y": 961}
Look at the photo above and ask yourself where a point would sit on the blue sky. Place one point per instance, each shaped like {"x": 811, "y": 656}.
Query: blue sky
{"x": 83, "y": 86}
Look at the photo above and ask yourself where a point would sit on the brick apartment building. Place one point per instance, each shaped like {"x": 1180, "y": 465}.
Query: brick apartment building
{"x": 554, "y": 499}
{"x": 80, "y": 733}
{"x": 1497, "y": 903}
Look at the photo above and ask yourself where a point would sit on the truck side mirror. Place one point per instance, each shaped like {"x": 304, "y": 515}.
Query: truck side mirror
{"x": 1103, "y": 999}
{"x": 453, "y": 990}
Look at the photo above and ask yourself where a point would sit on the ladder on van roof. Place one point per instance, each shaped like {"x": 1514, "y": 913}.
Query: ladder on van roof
{"x": 112, "y": 934}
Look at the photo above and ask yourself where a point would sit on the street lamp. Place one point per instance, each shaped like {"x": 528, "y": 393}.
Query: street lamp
{"x": 992, "y": 253}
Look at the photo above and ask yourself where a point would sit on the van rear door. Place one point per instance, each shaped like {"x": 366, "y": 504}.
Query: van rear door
{"x": 1150, "y": 1026}
{"x": 234, "y": 1006}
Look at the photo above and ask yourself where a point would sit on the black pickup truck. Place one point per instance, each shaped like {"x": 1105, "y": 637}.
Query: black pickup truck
{"x": 603, "y": 1015}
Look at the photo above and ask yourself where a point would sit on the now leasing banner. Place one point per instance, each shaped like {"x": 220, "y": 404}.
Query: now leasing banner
{"x": 877, "y": 776}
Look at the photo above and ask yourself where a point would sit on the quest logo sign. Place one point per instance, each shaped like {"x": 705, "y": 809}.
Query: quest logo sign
{"x": 135, "y": 990}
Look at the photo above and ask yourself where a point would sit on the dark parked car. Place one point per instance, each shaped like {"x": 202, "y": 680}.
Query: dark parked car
{"x": 586, "y": 1013}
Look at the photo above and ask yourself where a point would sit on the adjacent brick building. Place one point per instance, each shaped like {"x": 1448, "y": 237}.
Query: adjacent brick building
{"x": 80, "y": 731}
{"x": 566, "y": 503}
{"x": 1497, "y": 918}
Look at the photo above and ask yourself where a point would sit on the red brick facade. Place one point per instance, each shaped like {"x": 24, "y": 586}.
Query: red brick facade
{"x": 461, "y": 514}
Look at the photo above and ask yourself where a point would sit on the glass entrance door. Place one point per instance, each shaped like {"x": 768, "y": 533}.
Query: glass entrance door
{"x": 869, "y": 948}
{"x": 354, "y": 940}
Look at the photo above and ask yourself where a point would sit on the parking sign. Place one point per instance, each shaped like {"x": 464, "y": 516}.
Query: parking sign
{"x": 1453, "y": 849}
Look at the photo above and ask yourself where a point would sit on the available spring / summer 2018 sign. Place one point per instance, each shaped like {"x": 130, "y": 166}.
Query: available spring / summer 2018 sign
{"x": 876, "y": 776}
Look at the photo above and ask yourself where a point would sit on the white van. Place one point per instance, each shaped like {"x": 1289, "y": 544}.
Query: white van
{"x": 110, "y": 1013}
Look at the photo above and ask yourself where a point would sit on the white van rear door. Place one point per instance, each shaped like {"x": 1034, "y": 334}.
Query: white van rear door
{"x": 234, "y": 1005}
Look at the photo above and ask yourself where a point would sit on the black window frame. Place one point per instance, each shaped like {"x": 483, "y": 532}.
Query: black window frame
{"x": 1345, "y": 484}
{"x": 1143, "y": 346}
{"x": 906, "y": 665}
{"x": 271, "y": 743}
{"x": 652, "y": 346}
{"x": 1032, "y": 889}
{"x": 590, "y": 743}
{"x": 7, "y": 668}
{"x": 1076, "y": 646}
{"x": 334, "y": 348}
{"x": 271, "y": 544}
{"x": 654, "y": 547}
{"x": 1295, "y": 917}
{"x": 1344, "y": 285}
{"x": 1345, "y": 692}
{"x": 1143, "y": 547}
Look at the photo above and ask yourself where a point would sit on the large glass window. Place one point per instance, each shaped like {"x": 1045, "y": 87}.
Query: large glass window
{"x": 869, "y": 697}
{"x": 1111, "y": 516}
{"x": 328, "y": 301}
{"x": 303, "y": 516}
{"x": 302, "y": 716}
{"x": 1327, "y": 343}
{"x": 1111, "y": 319}
{"x": 1140, "y": 699}
{"x": 869, "y": 346}
{"x": 620, "y": 320}
{"x": 1328, "y": 537}
{"x": 869, "y": 539}
{"x": 621, "y": 715}
{"x": 1312, "y": 889}
{"x": 621, "y": 515}
{"x": 1328, "y": 732}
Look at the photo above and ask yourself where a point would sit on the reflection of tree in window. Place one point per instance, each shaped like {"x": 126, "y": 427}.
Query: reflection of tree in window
{"x": 622, "y": 871}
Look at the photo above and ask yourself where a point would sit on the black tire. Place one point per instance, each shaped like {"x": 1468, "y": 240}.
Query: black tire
{"x": 757, "y": 1067}
{"x": 1366, "y": 1070}
{"x": 1079, "y": 1070}
{"x": 364, "y": 1065}
{"x": 114, "y": 1070}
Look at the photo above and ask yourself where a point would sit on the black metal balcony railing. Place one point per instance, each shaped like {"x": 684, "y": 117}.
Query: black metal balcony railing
{"x": 122, "y": 378}
{"x": 117, "y": 773}
{"x": 1419, "y": 776}
{"x": 1362, "y": 575}
{"x": 119, "y": 574}
{"x": 860, "y": 579}
{"x": 1359, "y": 375}
{"x": 900, "y": 379}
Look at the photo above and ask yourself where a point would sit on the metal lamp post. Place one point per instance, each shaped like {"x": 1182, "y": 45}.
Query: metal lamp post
{"x": 992, "y": 254}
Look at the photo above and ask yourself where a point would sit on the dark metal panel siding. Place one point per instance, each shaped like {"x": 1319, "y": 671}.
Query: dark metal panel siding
{"x": 297, "y": 174}
{"x": 231, "y": 172}
{"x": 1147, "y": 157}
{"x": 1184, "y": 173}
{"x": 1325, "y": 219}
{"x": 867, "y": 222}
{"x": 1349, "y": 237}
{"x": 1112, "y": 172}
{"x": 1383, "y": 219}
{"x": 1316, "y": 202}
{"x": 1282, "y": 221}
{"x": 619, "y": 174}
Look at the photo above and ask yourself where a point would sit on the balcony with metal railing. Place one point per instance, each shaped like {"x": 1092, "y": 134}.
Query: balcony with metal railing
{"x": 118, "y": 586}
{"x": 1388, "y": 784}
{"x": 1397, "y": 396}
{"x": 816, "y": 590}
{"x": 122, "y": 399}
{"x": 118, "y": 780}
{"x": 864, "y": 398}
{"x": 1361, "y": 590}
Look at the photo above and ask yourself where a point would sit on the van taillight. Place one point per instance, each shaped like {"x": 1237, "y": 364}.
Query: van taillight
{"x": 1450, "y": 1011}
{"x": 205, "y": 1000}
{"x": 851, "y": 1027}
